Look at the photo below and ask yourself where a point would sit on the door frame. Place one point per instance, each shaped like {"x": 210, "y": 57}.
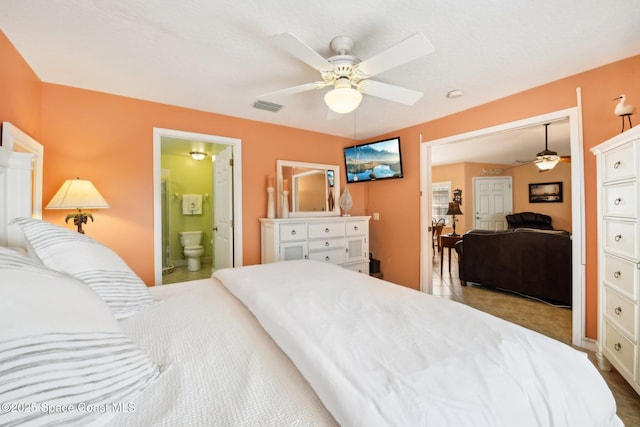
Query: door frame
{"x": 158, "y": 134}
{"x": 574, "y": 115}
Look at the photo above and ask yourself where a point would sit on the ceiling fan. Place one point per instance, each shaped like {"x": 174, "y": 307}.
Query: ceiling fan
{"x": 349, "y": 76}
{"x": 547, "y": 159}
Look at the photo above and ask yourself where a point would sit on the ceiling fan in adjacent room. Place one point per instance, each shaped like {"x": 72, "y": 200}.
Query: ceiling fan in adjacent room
{"x": 349, "y": 76}
{"x": 546, "y": 159}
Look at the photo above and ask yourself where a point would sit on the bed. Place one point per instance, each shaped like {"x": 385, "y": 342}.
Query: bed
{"x": 289, "y": 343}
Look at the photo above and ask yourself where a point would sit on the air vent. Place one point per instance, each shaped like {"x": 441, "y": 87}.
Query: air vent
{"x": 268, "y": 106}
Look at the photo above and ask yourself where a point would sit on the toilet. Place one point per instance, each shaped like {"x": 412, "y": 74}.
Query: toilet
{"x": 192, "y": 249}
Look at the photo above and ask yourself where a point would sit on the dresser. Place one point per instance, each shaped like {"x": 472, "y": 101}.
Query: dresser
{"x": 618, "y": 178}
{"x": 338, "y": 240}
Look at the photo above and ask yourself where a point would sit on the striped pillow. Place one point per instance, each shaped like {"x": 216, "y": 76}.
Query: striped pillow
{"x": 71, "y": 378}
{"x": 63, "y": 356}
{"x": 90, "y": 261}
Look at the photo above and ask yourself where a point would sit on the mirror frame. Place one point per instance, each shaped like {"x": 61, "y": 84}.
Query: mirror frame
{"x": 336, "y": 186}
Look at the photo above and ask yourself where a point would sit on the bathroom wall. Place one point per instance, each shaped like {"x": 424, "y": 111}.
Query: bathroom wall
{"x": 188, "y": 176}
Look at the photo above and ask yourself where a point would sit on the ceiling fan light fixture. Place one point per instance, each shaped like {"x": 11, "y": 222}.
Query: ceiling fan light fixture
{"x": 546, "y": 160}
{"x": 343, "y": 98}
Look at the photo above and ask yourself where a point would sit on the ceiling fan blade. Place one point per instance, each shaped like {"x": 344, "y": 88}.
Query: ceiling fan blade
{"x": 293, "y": 90}
{"x": 300, "y": 50}
{"x": 407, "y": 50}
{"x": 390, "y": 92}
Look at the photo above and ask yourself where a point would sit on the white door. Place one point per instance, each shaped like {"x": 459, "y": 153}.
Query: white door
{"x": 223, "y": 209}
{"x": 492, "y": 200}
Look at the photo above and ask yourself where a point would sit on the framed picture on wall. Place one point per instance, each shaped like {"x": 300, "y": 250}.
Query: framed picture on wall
{"x": 545, "y": 192}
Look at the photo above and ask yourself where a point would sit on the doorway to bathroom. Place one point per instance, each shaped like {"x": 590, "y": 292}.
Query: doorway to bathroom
{"x": 197, "y": 205}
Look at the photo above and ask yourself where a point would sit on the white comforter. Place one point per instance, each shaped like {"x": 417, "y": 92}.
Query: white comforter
{"x": 221, "y": 368}
{"x": 380, "y": 354}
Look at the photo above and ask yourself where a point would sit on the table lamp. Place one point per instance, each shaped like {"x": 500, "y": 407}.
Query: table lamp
{"x": 454, "y": 209}
{"x": 78, "y": 194}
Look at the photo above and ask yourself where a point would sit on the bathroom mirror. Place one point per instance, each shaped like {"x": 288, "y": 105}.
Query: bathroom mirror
{"x": 313, "y": 188}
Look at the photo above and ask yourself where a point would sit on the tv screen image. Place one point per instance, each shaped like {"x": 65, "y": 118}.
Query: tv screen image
{"x": 373, "y": 161}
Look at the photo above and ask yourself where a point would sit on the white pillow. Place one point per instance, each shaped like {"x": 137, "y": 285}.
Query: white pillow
{"x": 88, "y": 260}
{"x": 61, "y": 349}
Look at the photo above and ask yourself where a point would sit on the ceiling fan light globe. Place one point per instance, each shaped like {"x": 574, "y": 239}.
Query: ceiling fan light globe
{"x": 546, "y": 163}
{"x": 343, "y": 100}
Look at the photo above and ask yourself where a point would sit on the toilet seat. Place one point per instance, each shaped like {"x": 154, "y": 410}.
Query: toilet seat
{"x": 192, "y": 247}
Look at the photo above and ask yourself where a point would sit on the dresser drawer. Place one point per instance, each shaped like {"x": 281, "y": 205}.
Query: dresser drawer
{"x": 620, "y": 311}
{"x": 620, "y": 238}
{"x": 621, "y": 275}
{"x": 361, "y": 267}
{"x": 356, "y": 228}
{"x": 330, "y": 243}
{"x": 290, "y": 232}
{"x": 620, "y": 349}
{"x": 620, "y": 163}
{"x": 620, "y": 200}
{"x": 326, "y": 229}
{"x": 334, "y": 256}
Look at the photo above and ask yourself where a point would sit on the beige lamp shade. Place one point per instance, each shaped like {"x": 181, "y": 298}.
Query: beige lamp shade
{"x": 77, "y": 194}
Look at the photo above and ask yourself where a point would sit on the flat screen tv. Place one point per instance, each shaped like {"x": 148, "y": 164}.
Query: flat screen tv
{"x": 373, "y": 161}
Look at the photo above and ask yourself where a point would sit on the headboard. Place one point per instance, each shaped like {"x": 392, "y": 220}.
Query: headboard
{"x": 21, "y": 159}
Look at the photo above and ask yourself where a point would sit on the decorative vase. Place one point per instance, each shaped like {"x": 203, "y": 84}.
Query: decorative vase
{"x": 285, "y": 204}
{"x": 271, "y": 210}
{"x": 346, "y": 202}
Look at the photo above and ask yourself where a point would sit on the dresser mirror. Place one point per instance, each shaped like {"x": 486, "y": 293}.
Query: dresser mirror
{"x": 312, "y": 189}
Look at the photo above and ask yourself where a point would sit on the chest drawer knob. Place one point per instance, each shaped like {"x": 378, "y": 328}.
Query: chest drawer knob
{"x": 617, "y": 274}
{"x": 306, "y": 256}
{"x": 355, "y": 228}
{"x": 618, "y": 237}
{"x": 617, "y": 164}
{"x": 617, "y": 346}
{"x": 326, "y": 243}
{"x": 293, "y": 232}
{"x": 618, "y": 310}
{"x": 327, "y": 258}
{"x": 617, "y": 201}
{"x": 326, "y": 230}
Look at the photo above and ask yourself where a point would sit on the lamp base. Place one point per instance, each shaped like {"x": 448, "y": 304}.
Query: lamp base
{"x": 79, "y": 218}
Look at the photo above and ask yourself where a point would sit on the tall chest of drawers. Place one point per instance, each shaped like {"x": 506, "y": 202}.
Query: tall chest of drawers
{"x": 338, "y": 240}
{"x": 618, "y": 164}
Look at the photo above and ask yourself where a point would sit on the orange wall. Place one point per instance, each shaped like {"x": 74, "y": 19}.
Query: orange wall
{"x": 559, "y": 212}
{"x": 20, "y": 90}
{"x": 109, "y": 139}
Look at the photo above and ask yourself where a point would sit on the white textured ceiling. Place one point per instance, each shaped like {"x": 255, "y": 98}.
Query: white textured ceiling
{"x": 217, "y": 55}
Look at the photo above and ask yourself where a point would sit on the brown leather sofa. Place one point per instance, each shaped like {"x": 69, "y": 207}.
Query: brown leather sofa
{"x": 531, "y": 262}
{"x": 529, "y": 220}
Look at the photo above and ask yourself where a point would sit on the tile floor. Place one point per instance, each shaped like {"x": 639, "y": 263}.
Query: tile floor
{"x": 552, "y": 321}
{"x": 181, "y": 274}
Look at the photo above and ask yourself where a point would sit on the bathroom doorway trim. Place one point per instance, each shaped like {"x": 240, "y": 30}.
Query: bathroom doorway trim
{"x": 236, "y": 144}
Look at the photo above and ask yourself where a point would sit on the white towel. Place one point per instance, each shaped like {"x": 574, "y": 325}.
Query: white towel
{"x": 192, "y": 204}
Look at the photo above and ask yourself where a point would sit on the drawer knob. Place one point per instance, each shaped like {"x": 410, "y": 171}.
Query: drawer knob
{"x": 618, "y": 237}
{"x": 355, "y": 228}
{"x": 306, "y": 256}
{"x": 293, "y": 232}
{"x": 327, "y": 258}
{"x": 617, "y": 274}
{"x": 326, "y": 243}
{"x": 617, "y": 346}
{"x": 617, "y": 164}
{"x": 326, "y": 230}
{"x": 618, "y": 310}
{"x": 617, "y": 201}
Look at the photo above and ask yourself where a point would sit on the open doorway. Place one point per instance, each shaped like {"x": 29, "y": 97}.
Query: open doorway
{"x": 577, "y": 206}
{"x": 196, "y": 169}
